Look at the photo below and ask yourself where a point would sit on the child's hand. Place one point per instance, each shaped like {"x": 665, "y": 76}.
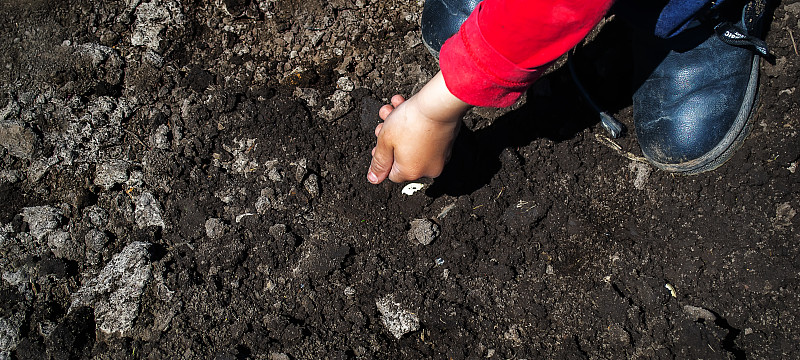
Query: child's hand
{"x": 417, "y": 135}
{"x": 410, "y": 145}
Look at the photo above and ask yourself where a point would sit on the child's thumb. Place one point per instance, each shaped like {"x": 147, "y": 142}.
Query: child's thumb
{"x": 382, "y": 159}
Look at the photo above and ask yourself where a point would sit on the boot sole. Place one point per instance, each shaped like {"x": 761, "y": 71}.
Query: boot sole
{"x": 430, "y": 49}
{"x": 732, "y": 141}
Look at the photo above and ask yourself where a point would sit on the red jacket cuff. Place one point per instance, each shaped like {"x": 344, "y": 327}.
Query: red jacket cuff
{"x": 479, "y": 75}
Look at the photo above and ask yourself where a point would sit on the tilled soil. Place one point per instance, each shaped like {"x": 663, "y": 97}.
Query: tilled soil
{"x": 187, "y": 180}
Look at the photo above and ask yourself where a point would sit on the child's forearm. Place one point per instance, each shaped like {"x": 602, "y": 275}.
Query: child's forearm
{"x": 437, "y": 102}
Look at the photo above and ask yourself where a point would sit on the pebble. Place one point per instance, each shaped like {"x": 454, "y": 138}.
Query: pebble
{"x": 312, "y": 185}
{"x": 784, "y": 214}
{"x": 96, "y": 215}
{"x": 274, "y": 175}
{"x": 301, "y": 170}
{"x": 215, "y": 228}
{"x": 397, "y": 320}
{"x": 10, "y": 111}
{"x": 697, "y": 313}
{"x": 277, "y": 231}
{"x": 412, "y": 39}
{"x": 642, "y": 174}
{"x": 148, "y": 211}
{"x": 311, "y": 96}
{"x": 160, "y": 138}
{"x": 38, "y": 168}
{"x": 265, "y": 201}
{"x": 549, "y": 270}
{"x": 423, "y": 231}
{"x": 95, "y": 240}
{"x": 95, "y": 52}
{"x": 153, "y": 58}
{"x": 344, "y": 83}
{"x": 342, "y": 104}
{"x": 278, "y": 356}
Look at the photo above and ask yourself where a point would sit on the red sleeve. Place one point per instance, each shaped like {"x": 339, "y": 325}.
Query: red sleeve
{"x": 505, "y": 45}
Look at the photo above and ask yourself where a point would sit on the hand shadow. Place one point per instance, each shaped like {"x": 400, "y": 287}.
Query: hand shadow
{"x": 554, "y": 110}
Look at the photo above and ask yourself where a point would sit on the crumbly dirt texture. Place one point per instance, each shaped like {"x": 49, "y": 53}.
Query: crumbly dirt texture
{"x": 186, "y": 179}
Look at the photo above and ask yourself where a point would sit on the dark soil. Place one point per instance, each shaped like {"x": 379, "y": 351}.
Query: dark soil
{"x": 230, "y": 139}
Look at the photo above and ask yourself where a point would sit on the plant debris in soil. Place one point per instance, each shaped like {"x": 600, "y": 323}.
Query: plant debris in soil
{"x": 186, "y": 179}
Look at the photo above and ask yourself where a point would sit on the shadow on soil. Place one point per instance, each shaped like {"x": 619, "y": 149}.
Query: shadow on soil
{"x": 554, "y": 110}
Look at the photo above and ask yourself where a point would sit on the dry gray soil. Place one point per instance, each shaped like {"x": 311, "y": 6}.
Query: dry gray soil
{"x": 186, "y": 179}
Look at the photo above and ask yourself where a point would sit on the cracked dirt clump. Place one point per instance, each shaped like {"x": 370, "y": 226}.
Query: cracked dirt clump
{"x": 116, "y": 291}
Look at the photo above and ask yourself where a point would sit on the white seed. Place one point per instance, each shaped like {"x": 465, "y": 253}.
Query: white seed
{"x": 411, "y": 188}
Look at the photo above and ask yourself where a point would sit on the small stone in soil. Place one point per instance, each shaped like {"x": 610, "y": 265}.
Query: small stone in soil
{"x": 160, "y": 138}
{"x": 338, "y": 104}
{"x": 344, "y": 83}
{"x": 312, "y": 185}
{"x": 697, "y": 313}
{"x": 215, "y": 228}
{"x": 265, "y": 201}
{"x": 278, "y": 356}
{"x": 397, "y": 320}
{"x": 423, "y": 231}
{"x": 148, "y": 211}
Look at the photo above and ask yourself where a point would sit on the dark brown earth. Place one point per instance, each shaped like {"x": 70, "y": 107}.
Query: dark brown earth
{"x": 187, "y": 180}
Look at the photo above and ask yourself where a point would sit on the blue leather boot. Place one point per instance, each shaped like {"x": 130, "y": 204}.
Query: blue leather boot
{"x": 693, "y": 110}
{"x": 441, "y": 19}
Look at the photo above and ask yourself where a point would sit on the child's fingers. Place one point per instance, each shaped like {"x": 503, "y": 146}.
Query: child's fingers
{"x": 397, "y": 100}
{"x": 385, "y": 111}
{"x": 382, "y": 159}
{"x": 378, "y": 129}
